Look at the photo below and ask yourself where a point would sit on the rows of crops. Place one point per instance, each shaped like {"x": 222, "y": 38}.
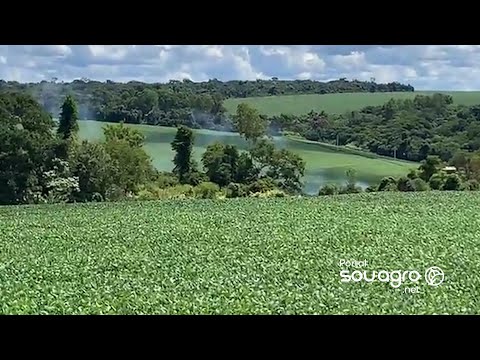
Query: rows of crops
{"x": 272, "y": 256}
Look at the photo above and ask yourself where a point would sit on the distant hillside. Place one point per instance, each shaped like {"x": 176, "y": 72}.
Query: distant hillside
{"x": 186, "y": 102}
{"x": 337, "y": 103}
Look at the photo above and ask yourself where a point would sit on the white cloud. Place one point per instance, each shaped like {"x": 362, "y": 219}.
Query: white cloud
{"x": 355, "y": 59}
{"x": 423, "y": 66}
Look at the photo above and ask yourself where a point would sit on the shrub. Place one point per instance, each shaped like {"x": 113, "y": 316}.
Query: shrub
{"x": 387, "y": 184}
{"x": 115, "y": 193}
{"x": 350, "y": 189}
{"x": 195, "y": 178}
{"x": 166, "y": 179}
{"x": 206, "y": 190}
{"x": 328, "y": 189}
{"x": 419, "y": 185}
{"x": 473, "y": 185}
{"x": 371, "y": 188}
{"x": 261, "y": 186}
{"x": 405, "y": 184}
{"x": 436, "y": 181}
{"x": 452, "y": 183}
{"x": 235, "y": 190}
{"x": 413, "y": 174}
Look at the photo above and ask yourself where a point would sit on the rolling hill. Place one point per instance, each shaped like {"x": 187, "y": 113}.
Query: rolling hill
{"x": 337, "y": 103}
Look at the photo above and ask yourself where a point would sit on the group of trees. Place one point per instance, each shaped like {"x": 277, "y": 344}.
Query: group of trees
{"x": 432, "y": 174}
{"x": 262, "y": 167}
{"x": 410, "y": 129}
{"x": 193, "y": 104}
{"x": 41, "y": 161}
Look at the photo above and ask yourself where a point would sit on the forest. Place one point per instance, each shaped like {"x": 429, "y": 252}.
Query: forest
{"x": 193, "y": 104}
{"x": 405, "y": 129}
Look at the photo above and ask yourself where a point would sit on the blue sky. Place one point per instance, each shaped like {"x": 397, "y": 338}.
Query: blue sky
{"x": 426, "y": 67}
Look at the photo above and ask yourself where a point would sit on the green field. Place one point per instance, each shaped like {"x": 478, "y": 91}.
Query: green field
{"x": 206, "y": 257}
{"x": 323, "y": 164}
{"x": 337, "y": 103}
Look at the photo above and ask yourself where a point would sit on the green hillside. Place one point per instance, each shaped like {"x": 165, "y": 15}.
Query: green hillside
{"x": 337, "y": 103}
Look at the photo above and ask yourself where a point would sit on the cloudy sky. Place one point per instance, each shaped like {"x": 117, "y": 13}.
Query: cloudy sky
{"x": 435, "y": 67}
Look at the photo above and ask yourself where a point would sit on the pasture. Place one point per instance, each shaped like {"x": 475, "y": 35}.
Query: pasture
{"x": 337, "y": 103}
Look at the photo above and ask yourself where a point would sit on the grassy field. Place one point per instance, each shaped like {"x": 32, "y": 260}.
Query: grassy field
{"x": 337, "y": 103}
{"x": 205, "y": 257}
{"x": 323, "y": 164}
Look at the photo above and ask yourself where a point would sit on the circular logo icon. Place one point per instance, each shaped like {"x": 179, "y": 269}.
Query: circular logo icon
{"x": 434, "y": 276}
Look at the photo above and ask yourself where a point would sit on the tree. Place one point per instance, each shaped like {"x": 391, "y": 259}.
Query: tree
{"x": 221, "y": 163}
{"x": 68, "y": 126}
{"x": 249, "y": 123}
{"x": 283, "y": 166}
{"x": 452, "y": 182}
{"x": 429, "y": 167}
{"x": 26, "y": 148}
{"x": 91, "y": 164}
{"x": 130, "y": 166}
{"x": 121, "y": 132}
{"x": 182, "y": 144}
{"x": 146, "y": 101}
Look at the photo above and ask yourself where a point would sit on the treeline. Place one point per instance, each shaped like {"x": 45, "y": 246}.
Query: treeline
{"x": 410, "y": 129}
{"x": 193, "y": 104}
{"x": 41, "y": 162}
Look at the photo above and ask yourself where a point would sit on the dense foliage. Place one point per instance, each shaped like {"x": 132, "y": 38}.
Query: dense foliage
{"x": 405, "y": 129}
{"x": 194, "y": 104}
{"x": 39, "y": 164}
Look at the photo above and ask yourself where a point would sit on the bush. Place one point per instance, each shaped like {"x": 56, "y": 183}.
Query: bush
{"x": 235, "y": 190}
{"x": 115, "y": 193}
{"x": 413, "y": 174}
{"x": 388, "y": 184}
{"x": 195, "y": 178}
{"x": 405, "y": 184}
{"x": 473, "y": 185}
{"x": 180, "y": 191}
{"x": 452, "y": 183}
{"x": 371, "y": 188}
{"x": 261, "y": 186}
{"x": 166, "y": 179}
{"x": 206, "y": 190}
{"x": 60, "y": 186}
{"x": 92, "y": 165}
{"x": 419, "y": 185}
{"x": 436, "y": 181}
{"x": 350, "y": 189}
{"x": 328, "y": 189}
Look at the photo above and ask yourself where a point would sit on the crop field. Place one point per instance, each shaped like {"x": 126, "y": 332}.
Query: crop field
{"x": 337, "y": 103}
{"x": 241, "y": 256}
{"x": 323, "y": 164}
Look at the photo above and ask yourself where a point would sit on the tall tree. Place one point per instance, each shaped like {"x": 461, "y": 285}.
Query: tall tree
{"x": 68, "y": 126}
{"x": 221, "y": 163}
{"x": 183, "y": 146}
{"x": 249, "y": 123}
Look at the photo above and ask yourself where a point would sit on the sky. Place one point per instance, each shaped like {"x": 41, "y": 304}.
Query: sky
{"x": 426, "y": 67}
